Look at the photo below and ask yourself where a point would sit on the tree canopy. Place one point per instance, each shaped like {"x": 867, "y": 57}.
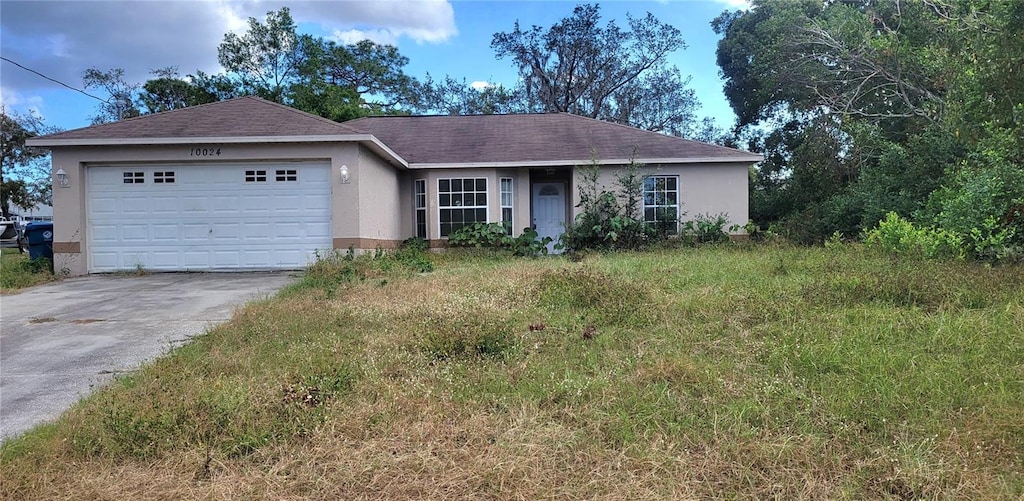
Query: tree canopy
{"x": 600, "y": 71}
{"x": 24, "y": 171}
{"x": 866, "y": 107}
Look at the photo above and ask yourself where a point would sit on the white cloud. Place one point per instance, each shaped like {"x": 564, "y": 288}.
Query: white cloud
{"x": 12, "y": 99}
{"x": 349, "y": 37}
{"x": 737, "y": 4}
{"x": 480, "y": 84}
{"x": 61, "y": 39}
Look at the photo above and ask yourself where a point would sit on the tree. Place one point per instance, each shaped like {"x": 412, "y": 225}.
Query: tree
{"x": 267, "y": 57}
{"x": 120, "y": 103}
{"x": 454, "y": 97}
{"x": 342, "y": 82}
{"x": 863, "y": 107}
{"x": 24, "y": 171}
{"x": 605, "y": 72}
{"x": 168, "y": 92}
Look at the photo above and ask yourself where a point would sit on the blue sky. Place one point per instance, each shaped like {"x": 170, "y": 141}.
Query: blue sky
{"x": 63, "y": 38}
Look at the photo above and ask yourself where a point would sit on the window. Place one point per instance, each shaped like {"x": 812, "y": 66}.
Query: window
{"x": 461, "y": 202}
{"x": 506, "y": 204}
{"x": 420, "y": 202}
{"x": 661, "y": 202}
{"x": 134, "y": 177}
{"x": 163, "y": 177}
{"x": 286, "y": 175}
{"x": 255, "y": 176}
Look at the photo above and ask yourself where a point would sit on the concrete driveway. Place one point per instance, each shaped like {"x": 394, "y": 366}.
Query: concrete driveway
{"x": 59, "y": 341}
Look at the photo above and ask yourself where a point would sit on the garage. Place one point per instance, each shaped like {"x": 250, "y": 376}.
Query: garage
{"x": 207, "y": 216}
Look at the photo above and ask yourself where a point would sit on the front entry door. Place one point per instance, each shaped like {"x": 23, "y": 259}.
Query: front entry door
{"x": 549, "y": 211}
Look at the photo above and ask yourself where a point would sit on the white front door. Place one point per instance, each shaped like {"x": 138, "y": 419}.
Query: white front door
{"x": 549, "y": 211}
{"x": 201, "y": 217}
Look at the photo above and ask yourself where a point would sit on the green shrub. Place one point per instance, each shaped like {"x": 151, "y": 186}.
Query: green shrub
{"x": 899, "y": 236}
{"x": 611, "y": 220}
{"x": 707, "y": 228}
{"x": 494, "y": 236}
{"x": 480, "y": 235}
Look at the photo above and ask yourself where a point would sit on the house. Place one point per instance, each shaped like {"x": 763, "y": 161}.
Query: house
{"x": 250, "y": 184}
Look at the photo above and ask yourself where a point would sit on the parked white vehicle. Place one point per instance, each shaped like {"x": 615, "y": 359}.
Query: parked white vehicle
{"x": 12, "y": 232}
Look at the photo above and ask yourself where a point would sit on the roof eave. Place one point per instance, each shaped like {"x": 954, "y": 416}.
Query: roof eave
{"x": 369, "y": 140}
{"x": 746, "y": 159}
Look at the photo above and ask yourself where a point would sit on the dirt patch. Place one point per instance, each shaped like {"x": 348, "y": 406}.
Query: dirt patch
{"x": 88, "y": 320}
{"x": 42, "y": 320}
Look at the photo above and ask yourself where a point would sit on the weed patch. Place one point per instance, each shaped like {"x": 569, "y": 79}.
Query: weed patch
{"x": 591, "y": 296}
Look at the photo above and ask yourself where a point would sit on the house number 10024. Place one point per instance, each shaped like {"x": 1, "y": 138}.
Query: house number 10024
{"x": 205, "y": 152}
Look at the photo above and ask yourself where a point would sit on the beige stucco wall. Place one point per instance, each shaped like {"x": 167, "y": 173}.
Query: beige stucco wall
{"x": 703, "y": 188}
{"x": 349, "y": 222}
{"x": 379, "y": 194}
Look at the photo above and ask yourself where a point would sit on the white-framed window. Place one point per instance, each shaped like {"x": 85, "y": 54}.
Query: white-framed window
{"x": 284, "y": 175}
{"x": 134, "y": 177}
{"x": 164, "y": 177}
{"x": 255, "y": 176}
{"x": 420, "y": 202}
{"x": 506, "y": 204}
{"x": 461, "y": 202}
{"x": 661, "y": 202}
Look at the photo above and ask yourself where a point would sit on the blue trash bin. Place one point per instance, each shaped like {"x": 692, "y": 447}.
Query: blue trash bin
{"x": 40, "y": 239}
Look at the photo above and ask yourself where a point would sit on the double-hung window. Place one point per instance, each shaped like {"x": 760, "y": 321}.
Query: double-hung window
{"x": 506, "y": 204}
{"x": 421, "y": 208}
{"x": 461, "y": 202}
{"x": 661, "y": 203}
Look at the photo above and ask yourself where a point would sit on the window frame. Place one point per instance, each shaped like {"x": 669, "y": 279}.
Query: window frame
{"x": 651, "y": 198}
{"x": 508, "y": 222}
{"x": 442, "y": 207}
{"x": 419, "y": 203}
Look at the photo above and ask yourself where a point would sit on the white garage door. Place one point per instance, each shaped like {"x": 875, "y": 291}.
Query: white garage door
{"x": 207, "y": 217}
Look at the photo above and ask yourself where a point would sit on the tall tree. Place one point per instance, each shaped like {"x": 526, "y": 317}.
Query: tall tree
{"x": 24, "y": 171}
{"x": 169, "y": 92}
{"x": 454, "y": 97}
{"x": 267, "y": 57}
{"x": 120, "y": 103}
{"x": 606, "y": 72}
{"x": 342, "y": 82}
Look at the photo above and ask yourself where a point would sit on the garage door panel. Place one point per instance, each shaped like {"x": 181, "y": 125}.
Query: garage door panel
{"x": 166, "y": 232}
{"x": 164, "y": 205}
{"x": 227, "y": 205}
{"x": 208, "y": 218}
{"x": 134, "y": 205}
{"x": 101, "y": 206}
{"x": 195, "y": 232}
{"x": 106, "y": 233}
{"x": 194, "y": 205}
{"x": 135, "y": 233}
{"x": 195, "y": 259}
{"x": 256, "y": 231}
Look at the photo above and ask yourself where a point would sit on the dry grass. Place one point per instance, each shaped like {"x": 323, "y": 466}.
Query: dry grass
{"x": 710, "y": 373}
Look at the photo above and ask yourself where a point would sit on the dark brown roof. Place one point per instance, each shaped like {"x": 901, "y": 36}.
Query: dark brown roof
{"x": 548, "y": 138}
{"x": 240, "y": 117}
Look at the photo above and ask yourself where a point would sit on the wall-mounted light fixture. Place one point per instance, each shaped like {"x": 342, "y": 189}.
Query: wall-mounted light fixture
{"x": 344, "y": 174}
{"x": 63, "y": 179}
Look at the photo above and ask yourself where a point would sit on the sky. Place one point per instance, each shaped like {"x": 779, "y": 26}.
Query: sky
{"x": 62, "y": 38}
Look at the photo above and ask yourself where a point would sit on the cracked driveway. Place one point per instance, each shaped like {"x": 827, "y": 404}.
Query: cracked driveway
{"x": 59, "y": 341}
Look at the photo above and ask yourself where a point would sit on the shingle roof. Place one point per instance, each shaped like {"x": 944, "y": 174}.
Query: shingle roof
{"x": 549, "y": 137}
{"x": 240, "y": 117}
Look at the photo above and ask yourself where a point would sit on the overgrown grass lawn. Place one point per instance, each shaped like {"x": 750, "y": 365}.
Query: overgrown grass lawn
{"x": 732, "y": 372}
{"x": 17, "y": 272}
